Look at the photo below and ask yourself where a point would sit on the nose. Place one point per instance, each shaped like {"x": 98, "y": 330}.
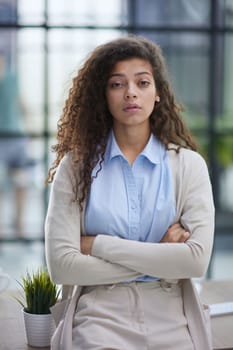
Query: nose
{"x": 130, "y": 92}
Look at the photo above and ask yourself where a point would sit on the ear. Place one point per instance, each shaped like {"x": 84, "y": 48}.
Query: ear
{"x": 157, "y": 98}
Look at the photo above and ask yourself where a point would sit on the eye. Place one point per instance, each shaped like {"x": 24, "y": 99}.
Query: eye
{"x": 144, "y": 83}
{"x": 116, "y": 84}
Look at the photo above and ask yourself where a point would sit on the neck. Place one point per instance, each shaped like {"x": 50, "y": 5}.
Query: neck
{"x": 132, "y": 141}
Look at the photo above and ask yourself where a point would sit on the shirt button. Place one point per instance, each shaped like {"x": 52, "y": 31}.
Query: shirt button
{"x": 133, "y": 205}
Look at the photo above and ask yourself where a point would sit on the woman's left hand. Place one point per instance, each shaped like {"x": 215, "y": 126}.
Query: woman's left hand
{"x": 86, "y": 244}
{"x": 175, "y": 234}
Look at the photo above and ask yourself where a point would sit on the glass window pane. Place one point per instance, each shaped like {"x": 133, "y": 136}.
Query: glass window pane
{"x": 88, "y": 12}
{"x": 17, "y": 259}
{"x": 11, "y": 109}
{"x": 174, "y": 12}
{"x": 224, "y": 126}
{"x": 33, "y": 218}
{"x": 21, "y": 187}
{"x": 225, "y": 10}
{"x": 225, "y": 119}
{"x": 8, "y": 11}
{"x": 8, "y": 48}
{"x": 31, "y": 76}
{"x": 188, "y": 63}
{"x": 51, "y": 155}
{"x": 31, "y": 12}
{"x": 224, "y": 150}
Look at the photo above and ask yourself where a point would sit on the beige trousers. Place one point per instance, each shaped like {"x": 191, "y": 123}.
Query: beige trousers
{"x": 131, "y": 316}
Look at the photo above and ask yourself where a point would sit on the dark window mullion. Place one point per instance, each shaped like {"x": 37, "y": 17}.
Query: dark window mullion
{"x": 46, "y": 135}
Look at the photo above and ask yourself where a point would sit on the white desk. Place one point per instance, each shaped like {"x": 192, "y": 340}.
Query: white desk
{"x": 222, "y": 326}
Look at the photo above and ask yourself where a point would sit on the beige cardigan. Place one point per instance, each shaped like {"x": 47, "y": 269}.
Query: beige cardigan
{"x": 115, "y": 260}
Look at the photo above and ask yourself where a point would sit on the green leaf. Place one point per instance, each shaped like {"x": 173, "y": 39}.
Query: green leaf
{"x": 40, "y": 293}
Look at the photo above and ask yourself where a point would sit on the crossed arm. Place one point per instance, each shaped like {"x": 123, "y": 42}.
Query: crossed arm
{"x": 175, "y": 234}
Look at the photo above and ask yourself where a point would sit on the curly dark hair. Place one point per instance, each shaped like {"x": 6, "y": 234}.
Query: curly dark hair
{"x": 86, "y": 121}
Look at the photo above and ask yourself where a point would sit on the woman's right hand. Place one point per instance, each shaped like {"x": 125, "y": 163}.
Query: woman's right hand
{"x": 175, "y": 234}
{"x": 86, "y": 244}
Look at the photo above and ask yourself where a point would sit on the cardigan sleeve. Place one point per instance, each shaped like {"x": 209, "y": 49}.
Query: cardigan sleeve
{"x": 173, "y": 260}
{"x": 66, "y": 264}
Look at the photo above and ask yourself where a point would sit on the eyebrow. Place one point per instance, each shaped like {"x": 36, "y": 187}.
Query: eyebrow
{"x": 123, "y": 75}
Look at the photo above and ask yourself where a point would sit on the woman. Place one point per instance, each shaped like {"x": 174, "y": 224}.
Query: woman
{"x": 131, "y": 215}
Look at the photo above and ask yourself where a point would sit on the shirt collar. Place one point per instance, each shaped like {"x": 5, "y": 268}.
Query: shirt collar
{"x": 112, "y": 149}
{"x": 153, "y": 151}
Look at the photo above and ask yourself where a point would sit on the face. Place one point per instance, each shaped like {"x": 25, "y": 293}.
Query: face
{"x": 131, "y": 93}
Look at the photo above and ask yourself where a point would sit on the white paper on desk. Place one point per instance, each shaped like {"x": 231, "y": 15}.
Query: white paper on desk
{"x": 221, "y": 308}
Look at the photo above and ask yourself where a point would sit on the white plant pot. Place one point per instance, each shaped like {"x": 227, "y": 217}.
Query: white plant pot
{"x": 39, "y": 329}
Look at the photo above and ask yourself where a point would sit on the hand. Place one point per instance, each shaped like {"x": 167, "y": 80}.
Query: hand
{"x": 86, "y": 244}
{"x": 175, "y": 234}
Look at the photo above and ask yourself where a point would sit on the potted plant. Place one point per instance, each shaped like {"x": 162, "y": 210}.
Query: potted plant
{"x": 39, "y": 293}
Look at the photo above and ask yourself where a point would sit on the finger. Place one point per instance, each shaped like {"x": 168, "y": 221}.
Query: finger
{"x": 184, "y": 236}
{"x": 174, "y": 226}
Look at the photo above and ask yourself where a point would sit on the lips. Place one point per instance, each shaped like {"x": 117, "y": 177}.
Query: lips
{"x": 131, "y": 107}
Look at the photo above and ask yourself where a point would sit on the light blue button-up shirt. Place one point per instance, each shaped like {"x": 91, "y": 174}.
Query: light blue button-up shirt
{"x": 135, "y": 201}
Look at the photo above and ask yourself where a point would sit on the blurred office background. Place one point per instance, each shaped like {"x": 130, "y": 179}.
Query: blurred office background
{"x": 42, "y": 44}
